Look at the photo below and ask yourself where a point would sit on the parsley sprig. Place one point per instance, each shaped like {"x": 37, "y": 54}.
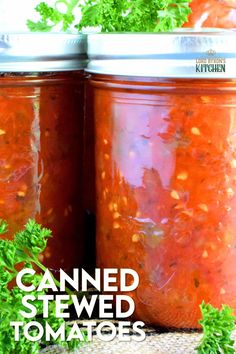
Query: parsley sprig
{"x": 114, "y": 15}
{"x": 51, "y": 16}
{"x": 217, "y": 330}
{"x": 23, "y": 252}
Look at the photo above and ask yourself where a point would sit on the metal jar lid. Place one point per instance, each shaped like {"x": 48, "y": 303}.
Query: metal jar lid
{"x": 186, "y": 53}
{"x": 42, "y": 52}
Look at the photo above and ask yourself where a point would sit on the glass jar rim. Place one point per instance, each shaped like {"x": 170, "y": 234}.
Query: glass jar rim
{"x": 42, "y": 52}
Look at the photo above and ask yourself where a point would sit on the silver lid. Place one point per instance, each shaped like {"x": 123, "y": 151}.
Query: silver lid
{"x": 183, "y": 54}
{"x": 42, "y": 52}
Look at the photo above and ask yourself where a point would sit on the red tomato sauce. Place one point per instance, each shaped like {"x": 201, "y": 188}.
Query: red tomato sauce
{"x": 166, "y": 191}
{"x": 212, "y": 13}
{"x": 41, "y": 134}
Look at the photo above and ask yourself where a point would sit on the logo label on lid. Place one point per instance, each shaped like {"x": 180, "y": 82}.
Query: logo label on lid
{"x": 211, "y": 63}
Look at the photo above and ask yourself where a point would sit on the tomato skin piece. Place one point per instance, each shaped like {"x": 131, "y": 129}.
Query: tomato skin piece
{"x": 41, "y": 150}
{"x": 166, "y": 191}
{"x": 212, "y": 13}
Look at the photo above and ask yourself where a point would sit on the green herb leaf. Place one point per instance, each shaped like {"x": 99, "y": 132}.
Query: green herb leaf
{"x": 33, "y": 239}
{"x": 217, "y": 329}
{"x": 24, "y": 251}
{"x": 3, "y": 227}
{"x": 114, "y": 15}
{"x": 51, "y": 17}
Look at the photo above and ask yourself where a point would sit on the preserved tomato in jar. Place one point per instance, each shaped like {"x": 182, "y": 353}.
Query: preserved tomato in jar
{"x": 41, "y": 139}
{"x": 165, "y": 136}
{"x": 212, "y": 13}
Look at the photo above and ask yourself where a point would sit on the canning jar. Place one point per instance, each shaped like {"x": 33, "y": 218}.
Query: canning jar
{"x": 165, "y": 140}
{"x": 41, "y": 139}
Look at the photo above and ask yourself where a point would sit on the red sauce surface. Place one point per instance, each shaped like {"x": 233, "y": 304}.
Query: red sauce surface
{"x": 166, "y": 192}
{"x": 212, "y": 13}
{"x": 41, "y": 134}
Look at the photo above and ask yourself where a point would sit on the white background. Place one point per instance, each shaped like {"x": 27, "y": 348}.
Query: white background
{"x": 14, "y": 13}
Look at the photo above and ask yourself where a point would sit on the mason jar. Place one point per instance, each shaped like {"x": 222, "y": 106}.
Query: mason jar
{"x": 41, "y": 139}
{"x": 164, "y": 107}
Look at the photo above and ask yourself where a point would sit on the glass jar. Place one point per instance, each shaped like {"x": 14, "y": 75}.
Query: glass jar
{"x": 165, "y": 140}
{"x": 41, "y": 139}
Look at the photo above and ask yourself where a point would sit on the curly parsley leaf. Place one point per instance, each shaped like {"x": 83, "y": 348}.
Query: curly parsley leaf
{"x": 217, "y": 330}
{"x": 51, "y": 16}
{"x": 24, "y": 252}
{"x": 32, "y": 240}
{"x": 114, "y": 15}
